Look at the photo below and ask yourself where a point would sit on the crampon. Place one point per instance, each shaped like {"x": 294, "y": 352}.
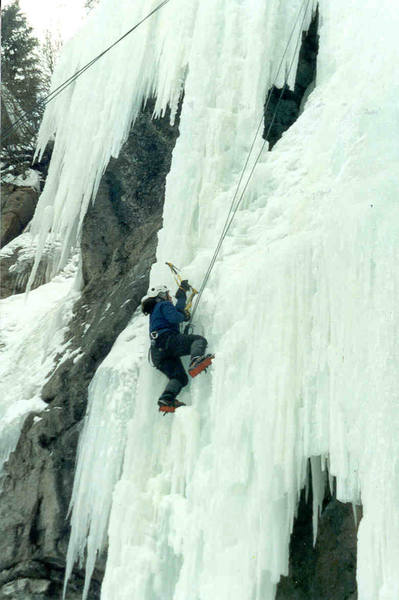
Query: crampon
{"x": 170, "y": 408}
{"x": 200, "y": 364}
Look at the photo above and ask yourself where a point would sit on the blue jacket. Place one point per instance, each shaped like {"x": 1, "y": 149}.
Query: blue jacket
{"x": 166, "y": 316}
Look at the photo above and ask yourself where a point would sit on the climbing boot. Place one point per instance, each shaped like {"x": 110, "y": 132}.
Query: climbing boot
{"x": 199, "y": 363}
{"x": 169, "y": 404}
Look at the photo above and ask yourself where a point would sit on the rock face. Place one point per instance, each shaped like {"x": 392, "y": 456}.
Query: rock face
{"x": 17, "y": 208}
{"x": 118, "y": 248}
{"x": 284, "y": 105}
{"x": 16, "y": 261}
{"x": 326, "y": 571}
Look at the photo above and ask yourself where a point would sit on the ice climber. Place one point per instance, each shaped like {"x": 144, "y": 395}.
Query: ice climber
{"x": 168, "y": 344}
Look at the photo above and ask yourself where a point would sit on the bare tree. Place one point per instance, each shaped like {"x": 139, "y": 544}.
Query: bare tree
{"x": 50, "y": 50}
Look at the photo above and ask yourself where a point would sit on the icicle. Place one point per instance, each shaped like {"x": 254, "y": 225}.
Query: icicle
{"x": 318, "y": 490}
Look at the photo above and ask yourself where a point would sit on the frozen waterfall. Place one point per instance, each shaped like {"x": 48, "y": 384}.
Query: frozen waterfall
{"x": 301, "y": 307}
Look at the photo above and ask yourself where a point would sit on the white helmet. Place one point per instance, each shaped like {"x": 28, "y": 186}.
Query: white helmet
{"x": 158, "y": 291}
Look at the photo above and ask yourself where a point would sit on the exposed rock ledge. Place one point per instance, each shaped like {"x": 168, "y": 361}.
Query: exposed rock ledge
{"x": 17, "y": 207}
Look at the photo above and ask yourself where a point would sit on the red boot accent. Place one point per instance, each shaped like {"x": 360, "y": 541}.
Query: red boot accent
{"x": 167, "y": 409}
{"x": 202, "y": 365}
{"x": 170, "y": 408}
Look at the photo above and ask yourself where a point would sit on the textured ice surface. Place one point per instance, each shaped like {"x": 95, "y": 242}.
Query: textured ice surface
{"x": 301, "y": 307}
{"x": 112, "y": 396}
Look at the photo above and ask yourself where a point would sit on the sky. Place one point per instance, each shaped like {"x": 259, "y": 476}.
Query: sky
{"x": 60, "y": 17}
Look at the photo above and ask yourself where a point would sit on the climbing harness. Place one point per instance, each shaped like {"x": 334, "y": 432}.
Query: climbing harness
{"x": 78, "y": 73}
{"x": 236, "y": 203}
{"x": 188, "y": 329}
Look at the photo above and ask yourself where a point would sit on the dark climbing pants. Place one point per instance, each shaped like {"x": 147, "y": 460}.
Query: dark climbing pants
{"x": 166, "y": 352}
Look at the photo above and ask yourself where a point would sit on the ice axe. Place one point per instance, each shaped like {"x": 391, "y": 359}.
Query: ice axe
{"x": 179, "y": 279}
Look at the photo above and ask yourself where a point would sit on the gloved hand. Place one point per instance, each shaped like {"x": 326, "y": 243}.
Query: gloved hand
{"x": 180, "y": 293}
{"x": 185, "y": 285}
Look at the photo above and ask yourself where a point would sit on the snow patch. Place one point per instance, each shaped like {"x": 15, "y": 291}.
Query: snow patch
{"x": 31, "y": 179}
{"x": 32, "y": 332}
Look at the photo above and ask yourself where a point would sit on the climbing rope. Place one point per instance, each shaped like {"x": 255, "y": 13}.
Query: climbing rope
{"x": 78, "y": 73}
{"x": 235, "y": 204}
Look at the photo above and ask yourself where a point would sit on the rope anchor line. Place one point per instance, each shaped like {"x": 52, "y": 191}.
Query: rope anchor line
{"x": 52, "y": 95}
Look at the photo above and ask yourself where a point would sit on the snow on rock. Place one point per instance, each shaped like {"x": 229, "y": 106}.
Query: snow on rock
{"x": 30, "y": 179}
{"x": 17, "y": 258}
{"x": 32, "y": 331}
{"x": 300, "y": 309}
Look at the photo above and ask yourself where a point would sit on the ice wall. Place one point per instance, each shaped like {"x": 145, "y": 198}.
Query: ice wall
{"x": 300, "y": 308}
{"x": 112, "y": 396}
